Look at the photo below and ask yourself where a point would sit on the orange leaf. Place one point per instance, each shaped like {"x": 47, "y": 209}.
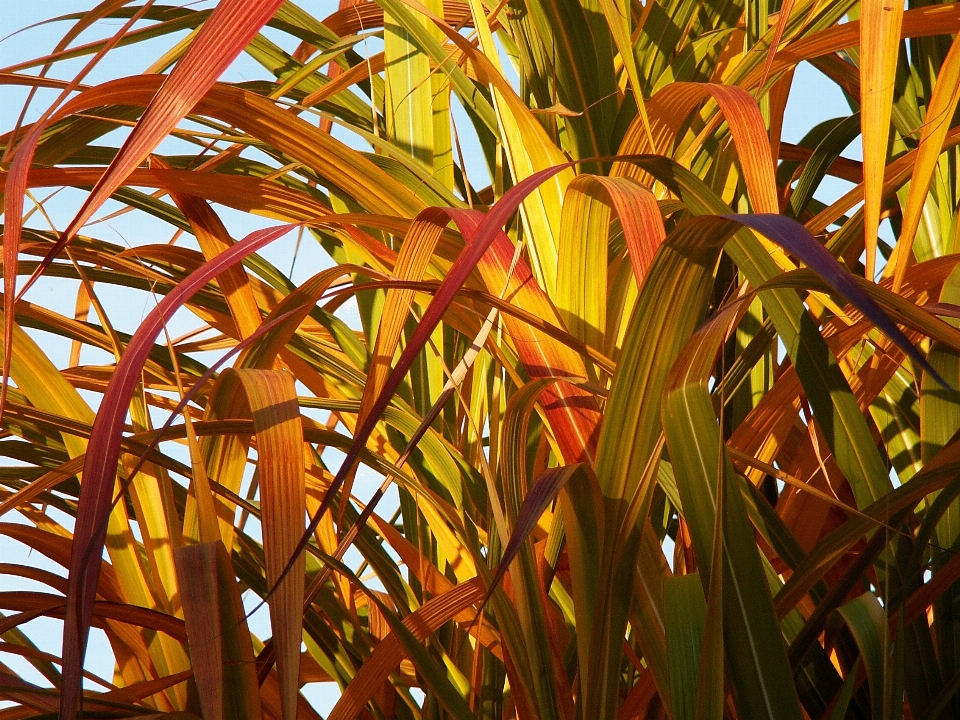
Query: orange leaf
{"x": 363, "y": 16}
{"x": 573, "y": 412}
{"x": 272, "y": 400}
{"x": 260, "y": 197}
{"x": 919, "y": 22}
{"x": 879, "y": 48}
{"x": 224, "y": 35}
{"x": 639, "y": 216}
{"x": 436, "y": 583}
{"x": 13, "y": 199}
{"x": 784, "y": 16}
{"x": 895, "y": 175}
{"x": 670, "y": 108}
{"x": 388, "y": 654}
{"x": 214, "y": 239}
{"x": 942, "y": 105}
{"x": 412, "y": 261}
{"x": 100, "y": 464}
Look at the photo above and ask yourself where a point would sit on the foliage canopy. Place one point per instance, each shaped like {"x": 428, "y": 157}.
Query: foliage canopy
{"x": 660, "y": 433}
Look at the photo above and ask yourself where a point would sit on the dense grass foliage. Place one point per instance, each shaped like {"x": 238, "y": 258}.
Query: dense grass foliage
{"x": 657, "y": 432}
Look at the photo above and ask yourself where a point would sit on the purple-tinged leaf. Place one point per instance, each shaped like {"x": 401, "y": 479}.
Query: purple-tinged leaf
{"x": 943, "y": 309}
{"x": 543, "y": 492}
{"x": 797, "y": 240}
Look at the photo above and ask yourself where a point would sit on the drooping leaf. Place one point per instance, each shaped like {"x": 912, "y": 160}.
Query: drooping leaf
{"x": 272, "y": 401}
{"x": 100, "y": 467}
{"x": 797, "y": 240}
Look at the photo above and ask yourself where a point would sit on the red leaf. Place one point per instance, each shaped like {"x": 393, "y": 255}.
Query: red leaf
{"x": 479, "y": 230}
{"x": 103, "y": 452}
{"x": 231, "y": 26}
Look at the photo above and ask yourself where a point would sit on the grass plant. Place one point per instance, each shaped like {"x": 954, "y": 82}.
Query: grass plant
{"x": 660, "y": 433}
